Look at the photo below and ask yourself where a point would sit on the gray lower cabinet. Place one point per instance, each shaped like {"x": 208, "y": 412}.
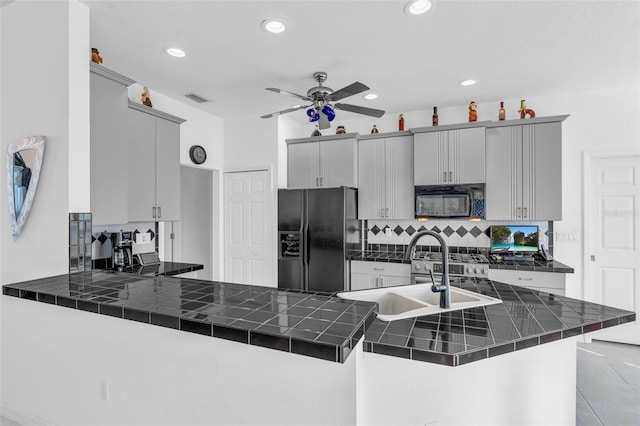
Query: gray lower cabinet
{"x": 109, "y": 144}
{"x": 154, "y": 165}
{"x": 449, "y": 157}
{"x": 524, "y": 170}
{"x": 385, "y": 178}
{"x": 366, "y": 274}
{"x": 323, "y": 162}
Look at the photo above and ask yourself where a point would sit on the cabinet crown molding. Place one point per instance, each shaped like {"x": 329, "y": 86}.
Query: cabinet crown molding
{"x": 523, "y": 121}
{"x": 155, "y": 112}
{"x": 110, "y": 74}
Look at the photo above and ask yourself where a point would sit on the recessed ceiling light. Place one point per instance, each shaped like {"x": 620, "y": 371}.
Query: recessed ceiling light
{"x": 273, "y": 26}
{"x": 467, "y": 83}
{"x": 370, "y": 96}
{"x": 174, "y": 51}
{"x": 417, "y": 7}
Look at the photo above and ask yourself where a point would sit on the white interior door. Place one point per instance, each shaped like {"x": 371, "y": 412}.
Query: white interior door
{"x": 613, "y": 271}
{"x": 247, "y": 227}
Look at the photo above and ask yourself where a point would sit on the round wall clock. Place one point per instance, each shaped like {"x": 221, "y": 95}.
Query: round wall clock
{"x": 197, "y": 154}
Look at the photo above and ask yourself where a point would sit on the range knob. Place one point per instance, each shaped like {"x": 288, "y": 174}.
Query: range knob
{"x": 417, "y": 266}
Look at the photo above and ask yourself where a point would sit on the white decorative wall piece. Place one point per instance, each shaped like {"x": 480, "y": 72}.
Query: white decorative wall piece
{"x": 21, "y": 197}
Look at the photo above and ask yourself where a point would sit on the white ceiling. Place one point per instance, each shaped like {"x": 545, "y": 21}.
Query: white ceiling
{"x": 514, "y": 49}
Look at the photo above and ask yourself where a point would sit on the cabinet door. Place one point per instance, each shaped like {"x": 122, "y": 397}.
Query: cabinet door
{"x": 546, "y": 185}
{"x": 399, "y": 178}
{"x": 109, "y": 145}
{"x": 430, "y": 158}
{"x": 362, "y": 281}
{"x": 467, "y": 156}
{"x": 502, "y": 166}
{"x": 338, "y": 163}
{"x": 142, "y": 166}
{"x": 371, "y": 179}
{"x": 167, "y": 170}
{"x": 303, "y": 165}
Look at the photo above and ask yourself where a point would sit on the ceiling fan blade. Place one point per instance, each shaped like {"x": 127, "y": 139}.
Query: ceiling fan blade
{"x": 323, "y": 122}
{"x": 350, "y": 90}
{"x": 360, "y": 110}
{"x": 284, "y": 111}
{"x": 273, "y": 89}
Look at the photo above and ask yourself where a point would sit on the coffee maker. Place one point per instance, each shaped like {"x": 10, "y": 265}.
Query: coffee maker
{"x": 122, "y": 256}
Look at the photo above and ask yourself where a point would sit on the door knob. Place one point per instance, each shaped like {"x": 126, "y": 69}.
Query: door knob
{"x": 593, "y": 258}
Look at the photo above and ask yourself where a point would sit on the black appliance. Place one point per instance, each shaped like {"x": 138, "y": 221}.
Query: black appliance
{"x": 449, "y": 201}
{"x": 315, "y": 229}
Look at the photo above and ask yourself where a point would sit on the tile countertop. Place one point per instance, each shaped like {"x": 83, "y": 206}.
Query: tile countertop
{"x": 310, "y": 324}
{"x": 525, "y": 318}
{"x": 326, "y": 327}
{"x": 536, "y": 265}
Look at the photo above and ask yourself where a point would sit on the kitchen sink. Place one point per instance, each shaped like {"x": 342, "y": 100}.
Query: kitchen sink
{"x": 410, "y": 301}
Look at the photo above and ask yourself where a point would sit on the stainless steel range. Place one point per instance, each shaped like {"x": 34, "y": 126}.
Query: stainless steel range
{"x": 460, "y": 264}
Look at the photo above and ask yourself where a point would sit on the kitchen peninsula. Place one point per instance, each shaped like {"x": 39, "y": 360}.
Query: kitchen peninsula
{"x": 234, "y": 346}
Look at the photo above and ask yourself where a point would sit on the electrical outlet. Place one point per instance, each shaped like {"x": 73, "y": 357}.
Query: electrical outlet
{"x": 144, "y": 238}
{"x": 387, "y": 231}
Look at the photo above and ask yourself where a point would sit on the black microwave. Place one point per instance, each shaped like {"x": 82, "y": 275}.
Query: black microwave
{"x": 449, "y": 201}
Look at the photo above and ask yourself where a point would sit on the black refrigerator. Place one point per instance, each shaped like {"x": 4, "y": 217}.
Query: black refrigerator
{"x": 316, "y": 228}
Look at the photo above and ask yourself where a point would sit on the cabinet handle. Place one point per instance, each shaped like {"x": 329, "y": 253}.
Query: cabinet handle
{"x": 381, "y": 282}
{"x": 153, "y": 209}
{"x": 381, "y": 213}
{"x": 444, "y": 177}
{"x": 317, "y": 180}
{"x": 450, "y": 176}
{"x": 375, "y": 282}
{"x": 518, "y": 215}
{"x": 524, "y": 279}
{"x": 159, "y": 212}
{"x": 387, "y": 212}
{"x": 378, "y": 269}
{"x": 525, "y": 213}
{"x": 321, "y": 181}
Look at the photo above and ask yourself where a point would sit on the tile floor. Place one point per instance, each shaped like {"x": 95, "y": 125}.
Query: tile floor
{"x": 608, "y": 385}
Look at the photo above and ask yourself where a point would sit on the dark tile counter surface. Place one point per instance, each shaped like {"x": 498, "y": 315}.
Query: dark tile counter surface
{"x": 399, "y": 257}
{"x": 525, "y": 318}
{"x": 311, "y": 324}
{"x": 163, "y": 268}
{"x": 535, "y": 265}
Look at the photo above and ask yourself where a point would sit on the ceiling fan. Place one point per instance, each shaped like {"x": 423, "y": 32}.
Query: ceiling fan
{"x": 322, "y": 100}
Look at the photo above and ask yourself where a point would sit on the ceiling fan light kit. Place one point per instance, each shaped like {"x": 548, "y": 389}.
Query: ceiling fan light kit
{"x": 323, "y": 100}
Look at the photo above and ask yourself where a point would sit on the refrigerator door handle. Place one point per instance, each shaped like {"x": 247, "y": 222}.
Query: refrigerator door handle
{"x": 307, "y": 249}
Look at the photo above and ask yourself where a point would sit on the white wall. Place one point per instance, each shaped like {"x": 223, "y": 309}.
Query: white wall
{"x": 62, "y": 360}
{"x": 39, "y": 92}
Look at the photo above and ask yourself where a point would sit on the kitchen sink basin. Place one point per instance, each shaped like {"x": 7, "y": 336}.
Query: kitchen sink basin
{"x": 410, "y": 301}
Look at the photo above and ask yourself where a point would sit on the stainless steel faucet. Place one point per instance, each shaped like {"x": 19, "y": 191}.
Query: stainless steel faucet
{"x": 445, "y": 287}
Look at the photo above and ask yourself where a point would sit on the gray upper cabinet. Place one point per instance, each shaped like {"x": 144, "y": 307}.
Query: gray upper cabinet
{"x": 524, "y": 169}
{"x": 154, "y": 165}
{"x": 448, "y": 157}
{"x": 109, "y": 144}
{"x": 385, "y": 177}
{"x": 322, "y": 162}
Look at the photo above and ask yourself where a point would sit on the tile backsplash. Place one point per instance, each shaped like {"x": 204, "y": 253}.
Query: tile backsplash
{"x": 457, "y": 233}
{"x": 103, "y": 237}
{"x": 79, "y": 242}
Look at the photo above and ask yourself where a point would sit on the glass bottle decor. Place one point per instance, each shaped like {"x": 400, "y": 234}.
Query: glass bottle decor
{"x": 434, "y": 118}
{"x": 501, "y": 112}
{"x": 401, "y": 123}
{"x": 473, "y": 113}
{"x": 374, "y": 129}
